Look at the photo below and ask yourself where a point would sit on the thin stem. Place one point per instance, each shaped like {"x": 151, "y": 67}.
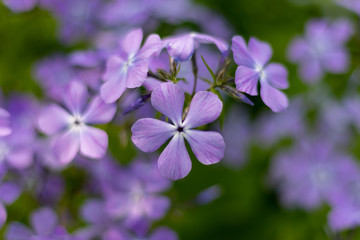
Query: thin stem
{"x": 153, "y": 75}
{"x": 195, "y": 72}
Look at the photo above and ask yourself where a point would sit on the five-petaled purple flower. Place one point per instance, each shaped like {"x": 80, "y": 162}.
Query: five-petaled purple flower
{"x": 72, "y": 128}
{"x": 149, "y": 134}
{"x": 129, "y": 68}
{"x": 45, "y": 227}
{"x": 322, "y": 49}
{"x": 252, "y": 65}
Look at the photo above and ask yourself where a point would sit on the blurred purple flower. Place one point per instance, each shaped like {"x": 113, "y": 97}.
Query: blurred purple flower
{"x": 311, "y": 174}
{"x": 322, "y": 49}
{"x": 345, "y": 212}
{"x": 5, "y": 124}
{"x": 71, "y": 128}
{"x": 252, "y": 65}
{"x": 18, "y": 147}
{"x": 45, "y": 226}
{"x": 129, "y": 68}
{"x": 78, "y": 19}
{"x": 182, "y": 47}
{"x": 136, "y": 198}
{"x": 352, "y": 5}
{"x": 9, "y": 192}
{"x": 149, "y": 134}
{"x": 292, "y": 122}
{"x": 19, "y": 6}
{"x": 236, "y": 124}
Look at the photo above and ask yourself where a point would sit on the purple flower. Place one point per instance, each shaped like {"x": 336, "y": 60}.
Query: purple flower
{"x": 5, "y": 128}
{"x": 77, "y": 18}
{"x": 19, "y": 6}
{"x": 72, "y": 128}
{"x": 252, "y": 65}
{"x": 136, "y": 197}
{"x": 322, "y": 49}
{"x": 311, "y": 174}
{"x": 129, "y": 68}
{"x": 182, "y": 47}
{"x": 345, "y": 212}
{"x": 17, "y": 148}
{"x": 9, "y": 192}
{"x": 149, "y": 134}
{"x": 352, "y": 5}
{"x": 45, "y": 224}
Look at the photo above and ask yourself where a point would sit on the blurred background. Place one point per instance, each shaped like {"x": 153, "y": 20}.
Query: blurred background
{"x": 241, "y": 200}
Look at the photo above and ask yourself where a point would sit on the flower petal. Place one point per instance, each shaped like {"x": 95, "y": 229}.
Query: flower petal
{"x": 53, "y": 119}
{"x": 246, "y": 80}
{"x": 67, "y": 146}
{"x": 5, "y": 123}
{"x": 3, "y": 215}
{"x": 20, "y": 6}
{"x": 241, "y": 54}
{"x": 219, "y": 43}
{"x": 44, "y": 221}
{"x": 152, "y": 45}
{"x": 156, "y": 206}
{"x": 260, "y": 51}
{"x": 131, "y": 43}
{"x": 149, "y": 134}
{"x": 205, "y": 108}
{"x": 181, "y": 48}
{"x": 163, "y": 233}
{"x": 137, "y": 73}
{"x": 75, "y": 97}
{"x": 311, "y": 70}
{"x": 99, "y": 112}
{"x": 18, "y": 231}
{"x": 273, "y": 98}
{"x": 9, "y": 192}
{"x": 113, "y": 89}
{"x": 114, "y": 68}
{"x": 174, "y": 162}
{"x": 93, "y": 142}
{"x": 276, "y": 74}
{"x": 208, "y": 147}
{"x": 168, "y": 99}
{"x": 21, "y": 157}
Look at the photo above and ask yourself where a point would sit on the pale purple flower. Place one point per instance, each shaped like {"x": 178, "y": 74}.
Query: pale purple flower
{"x": 252, "y": 61}
{"x": 352, "y": 5}
{"x": 345, "y": 212}
{"x": 77, "y": 19}
{"x": 5, "y": 124}
{"x": 19, "y": 6}
{"x": 150, "y": 134}
{"x": 129, "y": 68}
{"x": 322, "y": 49}
{"x": 17, "y": 148}
{"x": 72, "y": 126}
{"x": 54, "y": 84}
{"x": 182, "y": 47}
{"x": 136, "y": 195}
{"x": 9, "y": 192}
{"x": 311, "y": 174}
{"x": 270, "y": 128}
{"x": 159, "y": 233}
{"x": 45, "y": 226}
{"x": 236, "y": 124}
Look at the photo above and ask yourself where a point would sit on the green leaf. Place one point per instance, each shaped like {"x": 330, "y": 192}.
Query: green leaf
{"x": 211, "y": 72}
